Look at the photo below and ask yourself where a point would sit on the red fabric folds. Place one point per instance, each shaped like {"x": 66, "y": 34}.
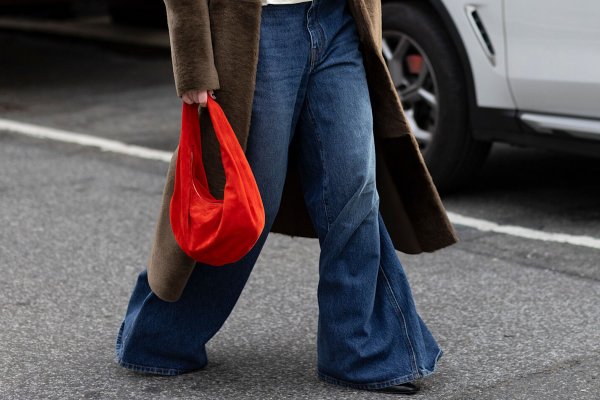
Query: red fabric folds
{"x": 211, "y": 230}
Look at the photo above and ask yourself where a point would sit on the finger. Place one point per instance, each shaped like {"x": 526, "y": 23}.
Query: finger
{"x": 201, "y": 99}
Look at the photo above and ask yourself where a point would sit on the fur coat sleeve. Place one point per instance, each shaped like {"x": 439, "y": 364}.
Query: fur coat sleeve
{"x": 197, "y": 70}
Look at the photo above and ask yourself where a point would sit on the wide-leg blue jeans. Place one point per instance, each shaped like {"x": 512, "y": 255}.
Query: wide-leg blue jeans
{"x": 311, "y": 76}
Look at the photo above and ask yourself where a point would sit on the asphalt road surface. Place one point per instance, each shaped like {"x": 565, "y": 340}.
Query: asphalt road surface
{"x": 518, "y": 318}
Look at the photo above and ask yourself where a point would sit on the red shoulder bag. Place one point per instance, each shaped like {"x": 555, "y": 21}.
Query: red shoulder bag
{"x": 208, "y": 229}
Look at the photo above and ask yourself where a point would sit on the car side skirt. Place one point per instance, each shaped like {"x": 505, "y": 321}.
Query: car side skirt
{"x": 500, "y": 125}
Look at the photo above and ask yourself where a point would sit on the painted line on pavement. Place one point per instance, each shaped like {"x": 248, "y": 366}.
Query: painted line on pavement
{"x": 519, "y": 231}
{"x": 82, "y": 139}
{"x": 115, "y": 146}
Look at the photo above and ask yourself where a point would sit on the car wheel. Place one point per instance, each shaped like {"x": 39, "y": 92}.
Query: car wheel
{"x": 431, "y": 84}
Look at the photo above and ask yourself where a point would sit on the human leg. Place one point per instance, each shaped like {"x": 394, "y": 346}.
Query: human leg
{"x": 169, "y": 338}
{"x": 369, "y": 333}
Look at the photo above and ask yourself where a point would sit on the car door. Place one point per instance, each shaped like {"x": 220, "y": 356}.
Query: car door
{"x": 553, "y": 55}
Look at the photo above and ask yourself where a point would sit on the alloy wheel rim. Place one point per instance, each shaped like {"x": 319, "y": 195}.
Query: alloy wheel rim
{"x": 415, "y": 82}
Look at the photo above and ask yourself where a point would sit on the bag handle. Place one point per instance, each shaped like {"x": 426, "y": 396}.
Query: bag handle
{"x": 229, "y": 144}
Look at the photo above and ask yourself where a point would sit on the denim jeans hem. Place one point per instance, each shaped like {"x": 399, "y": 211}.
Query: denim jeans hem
{"x": 153, "y": 370}
{"x": 167, "y": 371}
{"x": 382, "y": 384}
{"x": 148, "y": 369}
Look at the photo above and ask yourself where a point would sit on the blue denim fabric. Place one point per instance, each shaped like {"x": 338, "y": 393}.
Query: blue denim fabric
{"x": 310, "y": 75}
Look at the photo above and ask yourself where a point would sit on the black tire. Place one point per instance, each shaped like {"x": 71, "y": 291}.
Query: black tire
{"x": 452, "y": 155}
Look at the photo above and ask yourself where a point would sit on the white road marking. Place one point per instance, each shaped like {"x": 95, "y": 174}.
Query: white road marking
{"x": 82, "y": 139}
{"x": 514, "y": 230}
{"x": 165, "y": 156}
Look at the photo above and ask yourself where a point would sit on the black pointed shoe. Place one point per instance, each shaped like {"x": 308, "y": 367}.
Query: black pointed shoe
{"x": 403, "y": 388}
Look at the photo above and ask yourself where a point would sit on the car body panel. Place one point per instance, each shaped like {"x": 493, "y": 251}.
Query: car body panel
{"x": 553, "y": 49}
{"x": 491, "y": 80}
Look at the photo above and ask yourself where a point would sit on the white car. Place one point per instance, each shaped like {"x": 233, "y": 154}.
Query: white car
{"x": 525, "y": 72}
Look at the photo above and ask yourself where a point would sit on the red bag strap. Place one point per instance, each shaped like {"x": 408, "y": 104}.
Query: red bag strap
{"x": 183, "y": 177}
{"x": 229, "y": 144}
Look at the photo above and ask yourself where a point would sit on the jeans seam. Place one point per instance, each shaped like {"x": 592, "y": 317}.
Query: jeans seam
{"x": 312, "y": 49}
{"x": 371, "y": 385}
{"x": 397, "y": 306}
{"x": 382, "y": 384}
{"x": 149, "y": 369}
{"x": 322, "y": 37}
{"x": 322, "y": 157}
